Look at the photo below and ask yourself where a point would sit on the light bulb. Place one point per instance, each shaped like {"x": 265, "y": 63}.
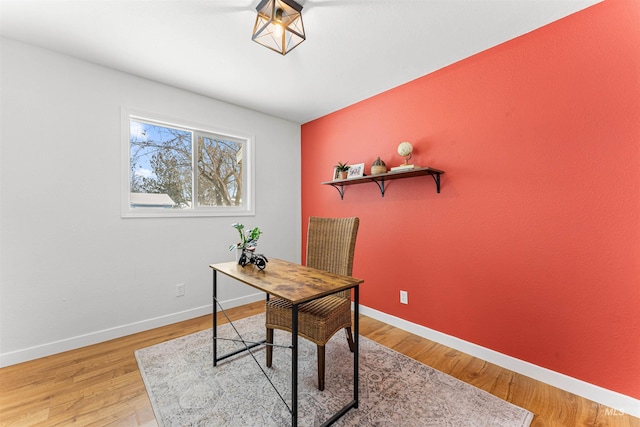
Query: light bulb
{"x": 277, "y": 24}
{"x": 278, "y": 30}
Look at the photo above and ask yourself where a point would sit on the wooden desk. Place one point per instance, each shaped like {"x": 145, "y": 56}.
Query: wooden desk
{"x": 297, "y": 284}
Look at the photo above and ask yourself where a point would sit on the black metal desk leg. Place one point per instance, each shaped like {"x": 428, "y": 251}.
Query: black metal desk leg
{"x": 294, "y": 365}
{"x": 215, "y": 318}
{"x": 356, "y": 340}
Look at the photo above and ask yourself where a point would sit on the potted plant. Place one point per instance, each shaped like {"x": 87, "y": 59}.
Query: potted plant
{"x": 342, "y": 169}
{"x": 246, "y": 247}
{"x": 248, "y": 239}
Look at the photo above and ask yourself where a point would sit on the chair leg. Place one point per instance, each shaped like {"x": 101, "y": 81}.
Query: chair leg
{"x": 347, "y": 331}
{"x": 320, "y": 367}
{"x": 269, "y": 347}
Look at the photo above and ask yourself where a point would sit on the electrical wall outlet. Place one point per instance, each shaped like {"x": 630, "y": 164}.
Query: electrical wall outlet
{"x": 404, "y": 297}
{"x": 180, "y": 290}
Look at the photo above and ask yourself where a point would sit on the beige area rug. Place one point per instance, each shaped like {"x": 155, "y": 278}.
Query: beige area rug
{"x": 186, "y": 390}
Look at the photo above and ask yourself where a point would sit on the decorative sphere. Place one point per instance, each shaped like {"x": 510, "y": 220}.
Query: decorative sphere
{"x": 405, "y": 148}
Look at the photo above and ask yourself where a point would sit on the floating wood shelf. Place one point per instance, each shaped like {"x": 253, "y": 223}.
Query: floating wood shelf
{"x": 380, "y": 179}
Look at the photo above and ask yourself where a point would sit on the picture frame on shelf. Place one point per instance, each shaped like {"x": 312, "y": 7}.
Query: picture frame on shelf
{"x": 336, "y": 174}
{"x": 356, "y": 171}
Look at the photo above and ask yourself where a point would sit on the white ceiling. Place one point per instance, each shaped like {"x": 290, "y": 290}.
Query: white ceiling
{"x": 354, "y": 48}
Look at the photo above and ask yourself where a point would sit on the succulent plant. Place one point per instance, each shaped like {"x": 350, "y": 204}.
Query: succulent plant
{"x": 342, "y": 167}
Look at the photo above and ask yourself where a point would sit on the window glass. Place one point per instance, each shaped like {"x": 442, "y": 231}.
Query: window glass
{"x": 219, "y": 171}
{"x": 161, "y": 166}
{"x": 181, "y": 170}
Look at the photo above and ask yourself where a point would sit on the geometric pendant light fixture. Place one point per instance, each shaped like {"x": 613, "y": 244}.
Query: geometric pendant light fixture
{"x": 279, "y": 25}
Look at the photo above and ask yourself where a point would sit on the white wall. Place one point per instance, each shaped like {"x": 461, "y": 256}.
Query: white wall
{"x": 72, "y": 271}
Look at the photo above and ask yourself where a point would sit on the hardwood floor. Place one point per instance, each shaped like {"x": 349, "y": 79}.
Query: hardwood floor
{"x": 100, "y": 385}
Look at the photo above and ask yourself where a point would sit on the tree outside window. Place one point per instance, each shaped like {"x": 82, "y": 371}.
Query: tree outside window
{"x": 179, "y": 168}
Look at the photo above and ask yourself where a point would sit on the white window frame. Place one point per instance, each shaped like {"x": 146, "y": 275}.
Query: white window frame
{"x": 246, "y": 209}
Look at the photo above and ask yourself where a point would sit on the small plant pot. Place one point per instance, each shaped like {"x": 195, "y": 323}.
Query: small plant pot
{"x": 343, "y": 174}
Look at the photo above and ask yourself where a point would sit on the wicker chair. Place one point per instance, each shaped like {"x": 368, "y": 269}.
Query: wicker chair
{"x": 330, "y": 246}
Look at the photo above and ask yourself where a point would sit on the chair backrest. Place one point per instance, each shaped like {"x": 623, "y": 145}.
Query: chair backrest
{"x": 331, "y": 243}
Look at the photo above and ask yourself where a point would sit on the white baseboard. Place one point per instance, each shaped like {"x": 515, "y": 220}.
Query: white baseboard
{"x": 72, "y": 343}
{"x": 237, "y": 302}
{"x": 619, "y": 403}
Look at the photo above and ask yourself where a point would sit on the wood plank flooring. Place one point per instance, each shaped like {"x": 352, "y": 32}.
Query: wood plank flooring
{"x": 100, "y": 385}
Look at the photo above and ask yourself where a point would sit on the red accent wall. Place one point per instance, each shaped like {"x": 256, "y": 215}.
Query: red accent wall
{"x": 532, "y": 248}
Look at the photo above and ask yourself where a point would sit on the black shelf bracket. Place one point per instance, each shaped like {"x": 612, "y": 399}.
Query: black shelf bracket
{"x": 380, "y": 184}
{"x": 436, "y": 179}
{"x": 340, "y": 189}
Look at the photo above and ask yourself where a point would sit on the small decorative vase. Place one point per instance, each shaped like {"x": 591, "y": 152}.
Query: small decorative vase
{"x": 378, "y": 167}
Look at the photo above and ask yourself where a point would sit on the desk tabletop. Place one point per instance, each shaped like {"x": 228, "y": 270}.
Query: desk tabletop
{"x": 293, "y": 282}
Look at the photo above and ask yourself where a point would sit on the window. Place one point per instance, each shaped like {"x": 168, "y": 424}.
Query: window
{"x": 184, "y": 170}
